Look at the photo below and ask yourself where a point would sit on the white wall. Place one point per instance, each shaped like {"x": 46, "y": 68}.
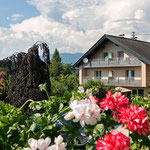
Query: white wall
{"x": 117, "y": 72}
{"x": 111, "y": 47}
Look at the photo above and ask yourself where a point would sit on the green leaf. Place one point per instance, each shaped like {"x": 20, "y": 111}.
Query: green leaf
{"x": 32, "y": 127}
{"x": 91, "y": 145}
{"x": 99, "y": 129}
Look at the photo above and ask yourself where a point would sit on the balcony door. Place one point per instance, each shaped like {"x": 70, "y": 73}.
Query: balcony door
{"x": 121, "y": 54}
{"x": 130, "y": 74}
{"x": 108, "y": 55}
{"x": 105, "y": 56}
{"x": 98, "y": 74}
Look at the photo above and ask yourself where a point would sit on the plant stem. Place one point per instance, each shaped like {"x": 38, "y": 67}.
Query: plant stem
{"x": 30, "y": 100}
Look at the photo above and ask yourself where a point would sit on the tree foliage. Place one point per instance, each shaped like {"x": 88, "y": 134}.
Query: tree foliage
{"x": 28, "y": 72}
{"x": 62, "y": 77}
{"x": 56, "y": 66}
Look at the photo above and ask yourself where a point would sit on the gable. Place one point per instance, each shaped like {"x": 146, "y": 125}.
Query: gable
{"x": 139, "y": 49}
{"x": 110, "y": 47}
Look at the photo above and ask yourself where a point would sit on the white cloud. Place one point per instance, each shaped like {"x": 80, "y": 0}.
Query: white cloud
{"x": 139, "y": 14}
{"x": 74, "y": 26}
{"x": 15, "y": 17}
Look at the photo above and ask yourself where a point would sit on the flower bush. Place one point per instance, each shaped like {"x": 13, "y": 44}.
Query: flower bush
{"x": 44, "y": 144}
{"x": 136, "y": 119}
{"x": 86, "y": 111}
{"x": 86, "y": 122}
{"x": 114, "y": 141}
{"x": 2, "y": 78}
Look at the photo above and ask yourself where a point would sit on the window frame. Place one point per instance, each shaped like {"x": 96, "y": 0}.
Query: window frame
{"x": 119, "y": 56}
{"x": 98, "y": 73}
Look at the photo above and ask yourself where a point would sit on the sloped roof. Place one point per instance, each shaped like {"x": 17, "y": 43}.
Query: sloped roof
{"x": 140, "y": 49}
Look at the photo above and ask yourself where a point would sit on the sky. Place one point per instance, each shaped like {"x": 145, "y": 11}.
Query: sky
{"x": 70, "y": 25}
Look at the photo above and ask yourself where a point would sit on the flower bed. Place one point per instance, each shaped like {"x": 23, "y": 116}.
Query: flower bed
{"x": 52, "y": 125}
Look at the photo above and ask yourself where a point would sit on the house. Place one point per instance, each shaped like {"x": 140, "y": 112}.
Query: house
{"x": 119, "y": 62}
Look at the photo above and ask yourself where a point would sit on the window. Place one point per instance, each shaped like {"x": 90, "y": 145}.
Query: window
{"x": 110, "y": 75}
{"x": 98, "y": 74}
{"x": 141, "y": 92}
{"x": 121, "y": 54}
{"x": 105, "y": 56}
{"x": 110, "y": 55}
{"x": 134, "y": 91}
{"x": 130, "y": 74}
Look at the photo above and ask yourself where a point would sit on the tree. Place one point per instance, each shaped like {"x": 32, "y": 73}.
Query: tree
{"x": 28, "y": 73}
{"x": 56, "y": 56}
{"x": 56, "y": 67}
{"x": 67, "y": 69}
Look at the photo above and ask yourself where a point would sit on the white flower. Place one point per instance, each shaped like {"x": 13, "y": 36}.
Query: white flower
{"x": 87, "y": 91}
{"x": 94, "y": 112}
{"x": 59, "y": 144}
{"x": 81, "y": 112}
{"x": 33, "y": 144}
{"x": 69, "y": 116}
{"x": 81, "y": 89}
{"x": 43, "y": 144}
{"x": 85, "y": 111}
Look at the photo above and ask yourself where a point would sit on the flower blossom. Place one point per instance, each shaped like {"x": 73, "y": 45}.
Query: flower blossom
{"x": 80, "y": 89}
{"x": 84, "y": 111}
{"x": 2, "y": 77}
{"x": 92, "y": 99}
{"x": 114, "y": 141}
{"x": 136, "y": 119}
{"x": 114, "y": 102}
{"x": 59, "y": 144}
{"x": 42, "y": 144}
{"x": 32, "y": 143}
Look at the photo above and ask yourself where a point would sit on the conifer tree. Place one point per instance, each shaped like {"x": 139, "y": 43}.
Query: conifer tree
{"x": 56, "y": 67}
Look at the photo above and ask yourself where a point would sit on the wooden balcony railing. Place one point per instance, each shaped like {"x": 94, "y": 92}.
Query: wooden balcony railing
{"x": 113, "y": 62}
{"x": 115, "y": 82}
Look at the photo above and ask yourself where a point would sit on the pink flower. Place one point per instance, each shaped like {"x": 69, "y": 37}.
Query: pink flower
{"x": 114, "y": 102}
{"x": 113, "y": 141}
{"x": 136, "y": 119}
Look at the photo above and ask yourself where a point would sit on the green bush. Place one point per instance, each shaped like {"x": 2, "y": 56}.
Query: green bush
{"x": 99, "y": 89}
{"x": 65, "y": 84}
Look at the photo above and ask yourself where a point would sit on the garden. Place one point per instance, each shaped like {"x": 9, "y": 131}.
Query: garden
{"x": 46, "y": 109}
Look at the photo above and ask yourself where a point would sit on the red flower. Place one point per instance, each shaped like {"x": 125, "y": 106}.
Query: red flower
{"x": 114, "y": 141}
{"x": 2, "y": 77}
{"x": 114, "y": 102}
{"x": 93, "y": 99}
{"x": 136, "y": 119}
{"x": 3, "y": 74}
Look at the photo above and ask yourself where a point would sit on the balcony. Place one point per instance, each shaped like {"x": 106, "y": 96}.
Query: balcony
{"x": 115, "y": 82}
{"x": 115, "y": 62}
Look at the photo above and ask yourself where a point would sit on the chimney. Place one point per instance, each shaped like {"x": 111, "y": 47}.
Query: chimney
{"x": 133, "y": 36}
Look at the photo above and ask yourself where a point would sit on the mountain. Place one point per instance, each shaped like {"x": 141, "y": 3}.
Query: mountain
{"x": 69, "y": 57}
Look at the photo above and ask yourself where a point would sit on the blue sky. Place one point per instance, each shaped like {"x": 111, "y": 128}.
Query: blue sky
{"x": 10, "y": 7}
{"x": 71, "y": 26}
